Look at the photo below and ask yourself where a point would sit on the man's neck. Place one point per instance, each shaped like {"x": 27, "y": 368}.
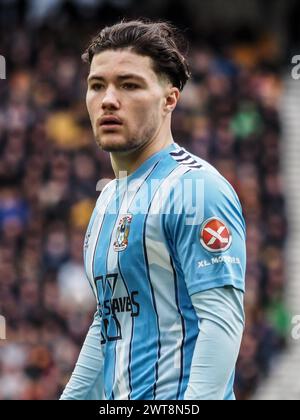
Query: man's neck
{"x": 125, "y": 164}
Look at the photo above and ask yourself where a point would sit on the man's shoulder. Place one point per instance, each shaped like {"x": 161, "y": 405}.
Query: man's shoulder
{"x": 206, "y": 183}
{"x": 204, "y": 172}
{"x": 193, "y": 167}
{"x": 188, "y": 160}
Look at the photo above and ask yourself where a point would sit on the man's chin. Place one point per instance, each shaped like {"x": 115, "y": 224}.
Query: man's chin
{"x": 116, "y": 145}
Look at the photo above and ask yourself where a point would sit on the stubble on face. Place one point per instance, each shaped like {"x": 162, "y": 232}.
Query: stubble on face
{"x": 137, "y": 141}
{"x": 142, "y": 122}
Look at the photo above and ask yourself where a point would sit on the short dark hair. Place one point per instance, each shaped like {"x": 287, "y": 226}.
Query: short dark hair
{"x": 161, "y": 41}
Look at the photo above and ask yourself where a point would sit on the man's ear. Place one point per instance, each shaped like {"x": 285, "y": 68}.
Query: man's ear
{"x": 171, "y": 99}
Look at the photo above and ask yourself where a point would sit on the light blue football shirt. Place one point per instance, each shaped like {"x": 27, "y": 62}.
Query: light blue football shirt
{"x": 171, "y": 229}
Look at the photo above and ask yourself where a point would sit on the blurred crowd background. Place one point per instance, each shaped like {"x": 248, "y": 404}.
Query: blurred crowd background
{"x": 49, "y": 168}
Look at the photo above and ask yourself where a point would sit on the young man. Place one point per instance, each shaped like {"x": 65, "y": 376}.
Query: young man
{"x": 165, "y": 247}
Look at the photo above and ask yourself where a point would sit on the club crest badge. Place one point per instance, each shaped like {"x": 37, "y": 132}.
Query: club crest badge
{"x": 122, "y": 233}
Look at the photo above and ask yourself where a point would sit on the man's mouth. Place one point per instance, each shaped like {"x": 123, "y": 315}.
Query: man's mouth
{"x": 110, "y": 121}
{"x": 109, "y": 127}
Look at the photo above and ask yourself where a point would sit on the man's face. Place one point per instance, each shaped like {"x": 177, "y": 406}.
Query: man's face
{"x": 123, "y": 85}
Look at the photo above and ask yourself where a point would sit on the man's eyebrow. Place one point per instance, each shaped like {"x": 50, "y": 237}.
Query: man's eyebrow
{"x": 120, "y": 77}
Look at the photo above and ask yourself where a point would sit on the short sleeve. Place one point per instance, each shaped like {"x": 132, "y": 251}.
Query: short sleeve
{"x": 205, "y": 230}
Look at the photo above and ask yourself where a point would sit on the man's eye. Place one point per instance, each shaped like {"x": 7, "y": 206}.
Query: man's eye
{"x": 96, "y": 86}
{"x": 130, "y": 86}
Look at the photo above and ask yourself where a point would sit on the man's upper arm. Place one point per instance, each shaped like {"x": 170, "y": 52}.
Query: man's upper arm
{"x": 207, "y": 234}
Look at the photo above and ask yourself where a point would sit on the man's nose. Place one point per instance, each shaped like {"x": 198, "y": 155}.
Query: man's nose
{"x": 110, "y": 100}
